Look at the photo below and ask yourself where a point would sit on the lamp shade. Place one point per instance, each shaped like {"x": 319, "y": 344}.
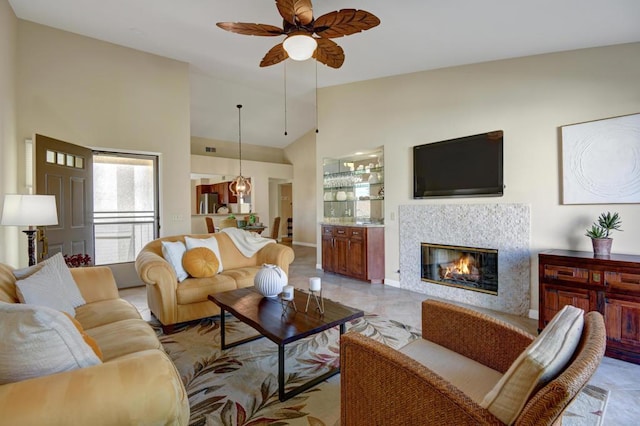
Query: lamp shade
{"x": 300, "y": 47}
{"x": 29, "y": 210}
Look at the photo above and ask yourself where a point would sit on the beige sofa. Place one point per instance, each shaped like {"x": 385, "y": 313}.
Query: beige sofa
{"x": 172, "y": 302}
{"x": 136, "y": 383}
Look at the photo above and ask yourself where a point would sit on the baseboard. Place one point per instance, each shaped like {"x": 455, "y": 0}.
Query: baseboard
{"x": 300, "y": 243}
{"x": 319, "y": 266}
{"x": 533, "y": 314}
{"x": 391, "y": 283}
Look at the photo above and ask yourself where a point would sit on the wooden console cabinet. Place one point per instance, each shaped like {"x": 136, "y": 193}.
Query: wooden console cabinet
{"x": 354, "y": 251}
{"x": 608, "y": 285}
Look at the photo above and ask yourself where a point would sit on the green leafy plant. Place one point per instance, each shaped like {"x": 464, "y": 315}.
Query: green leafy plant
{"x": 231, "y": 216}
{"x": 606, "y": 223}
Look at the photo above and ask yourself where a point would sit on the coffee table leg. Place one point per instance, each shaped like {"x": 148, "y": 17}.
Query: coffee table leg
{"x": 222, "y": 345}
{"x": 281, "y": 394}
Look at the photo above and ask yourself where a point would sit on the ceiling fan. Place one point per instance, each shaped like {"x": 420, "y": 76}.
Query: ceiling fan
{"x": 307, "y": 37}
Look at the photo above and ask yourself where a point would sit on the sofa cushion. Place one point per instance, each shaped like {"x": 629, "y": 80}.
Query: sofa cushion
{"x": 103, "y": 312}
{"x": 196, "y": 290}
{"x": 124, "y": 337}
{"x": 200, "y": 262}
{"x": 44, "y": 288}
{"x": 243, "y": 277}
{"x": 210, "y": 243}
{"x": 173, "y": 251}
{"x": 87, "y": 339}
{"x": 38, "y": 341}
{"x": 70, "y": 288}
{"x": 471, "y": 377}
{"x": 540, "y": 363}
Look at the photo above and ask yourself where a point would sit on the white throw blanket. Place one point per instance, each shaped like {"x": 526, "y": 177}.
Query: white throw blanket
{"x": 247, "y": 242}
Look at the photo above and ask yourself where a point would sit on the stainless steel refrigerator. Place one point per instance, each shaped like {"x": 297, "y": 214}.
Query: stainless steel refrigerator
{"x": 208, "y": 203}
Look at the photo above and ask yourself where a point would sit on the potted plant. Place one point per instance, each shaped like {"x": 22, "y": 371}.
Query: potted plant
{"x": 599, "y": 232}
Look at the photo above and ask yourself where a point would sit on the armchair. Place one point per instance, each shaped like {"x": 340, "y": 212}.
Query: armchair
{"x": 384, "y": 386}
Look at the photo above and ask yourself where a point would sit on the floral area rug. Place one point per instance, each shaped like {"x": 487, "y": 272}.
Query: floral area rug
{"x": 239, "y": 386}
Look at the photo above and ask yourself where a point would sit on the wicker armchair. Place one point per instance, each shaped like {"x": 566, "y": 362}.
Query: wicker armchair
{"x": 382, "y": 386}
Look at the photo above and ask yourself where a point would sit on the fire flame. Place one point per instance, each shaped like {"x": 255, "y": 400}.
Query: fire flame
{"x": 463, "y": 266}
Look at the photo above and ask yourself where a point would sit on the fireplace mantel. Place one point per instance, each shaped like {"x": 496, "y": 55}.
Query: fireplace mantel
{"x": 505, "y": 227}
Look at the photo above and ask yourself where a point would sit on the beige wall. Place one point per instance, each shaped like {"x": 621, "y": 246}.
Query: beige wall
{"x": 302, "y": 154}
{"x": 8, "y": 122}
{"x": 230, "y": 150}
{"x": 529, "y": 98}
{"x": 261, "y": 174}
{"x": 100, "y": 95}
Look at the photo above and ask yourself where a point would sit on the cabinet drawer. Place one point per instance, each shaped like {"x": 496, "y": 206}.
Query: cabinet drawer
{"x": 566, "y": 273}
{"x": 356, "y": 233}
{"x": 340, "y": 231}
{"x": 327, "y": 230}
{"x": 622, "y": 281}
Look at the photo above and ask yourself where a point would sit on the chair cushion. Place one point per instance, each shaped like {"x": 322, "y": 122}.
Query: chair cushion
{"x": 210, "y": 243}
{"x": 540, "y": 363}
{"x": 471, "y": 377}
{"x": 95, "y": 314}
{"x": 173, "y": 251}
{"x": 200, "y": 262}
{"x": 196, "y": 290}
{"x": 38, "y": 341}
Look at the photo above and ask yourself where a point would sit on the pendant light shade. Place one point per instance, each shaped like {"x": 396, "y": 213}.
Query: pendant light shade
{"x": 300, "y": 47}
{"x": 240, "y": 186}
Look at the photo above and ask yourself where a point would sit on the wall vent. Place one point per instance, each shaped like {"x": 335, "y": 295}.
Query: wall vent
{"x": 209, "y": 149}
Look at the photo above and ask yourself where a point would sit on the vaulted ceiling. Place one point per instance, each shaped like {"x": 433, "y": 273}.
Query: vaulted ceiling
{"x": 414, "y": 35}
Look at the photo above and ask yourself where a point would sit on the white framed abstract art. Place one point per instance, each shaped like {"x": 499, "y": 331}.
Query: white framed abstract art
{"x": 601, "y": 161}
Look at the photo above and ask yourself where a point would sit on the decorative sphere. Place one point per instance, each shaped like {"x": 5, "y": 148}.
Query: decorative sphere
{"x": 270, "y": 280}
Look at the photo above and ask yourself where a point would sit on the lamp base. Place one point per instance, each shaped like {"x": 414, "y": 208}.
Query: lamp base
{"x": 31, "y": 239}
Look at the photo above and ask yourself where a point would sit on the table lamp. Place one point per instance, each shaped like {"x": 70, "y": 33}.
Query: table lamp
{"x": 31, "y": 211}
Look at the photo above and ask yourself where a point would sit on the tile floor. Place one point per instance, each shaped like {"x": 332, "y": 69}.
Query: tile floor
{"x": 621, "y": 378}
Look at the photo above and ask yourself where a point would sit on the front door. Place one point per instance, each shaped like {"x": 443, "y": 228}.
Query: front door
{"x": 66, "y": 171}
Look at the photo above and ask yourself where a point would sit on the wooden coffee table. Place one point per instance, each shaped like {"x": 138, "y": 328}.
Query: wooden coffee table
{"x": 265, "y": 315}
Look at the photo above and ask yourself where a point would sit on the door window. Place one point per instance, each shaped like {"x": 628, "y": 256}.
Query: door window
{"x": 125, "y": 205}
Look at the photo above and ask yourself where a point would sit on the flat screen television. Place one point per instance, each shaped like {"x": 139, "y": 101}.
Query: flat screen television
{"x": 463, "y": 167}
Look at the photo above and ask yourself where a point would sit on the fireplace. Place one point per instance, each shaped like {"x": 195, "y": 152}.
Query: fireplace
{"x": 470, "y": 268}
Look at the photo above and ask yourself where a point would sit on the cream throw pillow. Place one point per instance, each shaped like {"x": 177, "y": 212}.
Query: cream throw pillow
{"x": 37, "y": 341}
{"x": 173, "y": 251}
{"x": 66, "y": 281}
{"x": 210, "y": 243}
{"x": 44, "y": 288}
{"x": 540, "y": 363}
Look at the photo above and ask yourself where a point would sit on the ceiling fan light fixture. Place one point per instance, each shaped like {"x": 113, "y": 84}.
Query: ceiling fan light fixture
{"x": 300, "y": 47}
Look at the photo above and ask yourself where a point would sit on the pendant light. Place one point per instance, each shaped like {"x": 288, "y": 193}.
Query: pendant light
{"x": 240, "y": 186}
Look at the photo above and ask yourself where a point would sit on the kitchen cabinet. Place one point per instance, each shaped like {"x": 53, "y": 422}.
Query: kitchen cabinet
{"x": 354, "y": 251}
{"x": 609, "y": 285}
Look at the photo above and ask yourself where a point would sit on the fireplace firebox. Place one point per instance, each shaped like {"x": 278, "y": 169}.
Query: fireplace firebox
{"x": 470, "y": 268}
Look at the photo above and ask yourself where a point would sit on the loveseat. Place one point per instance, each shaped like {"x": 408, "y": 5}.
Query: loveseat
{"x": 135, "y": 383}
{"x": 470, "y": 369}
{"x": 173, "y": 302}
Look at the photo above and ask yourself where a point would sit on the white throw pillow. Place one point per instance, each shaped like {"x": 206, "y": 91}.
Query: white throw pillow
{"x": 70, "y": 288}
{"x": 210, "y": 243}
{"x": 37, "y": 341}
{"x": 173, "y": 252}
{"x": 540, "y": 363}
{"x": 44, "y": 288}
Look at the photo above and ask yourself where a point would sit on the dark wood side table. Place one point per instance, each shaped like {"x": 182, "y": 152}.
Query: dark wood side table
{"x": 265, "y": 315}
{"x": 609, "y": 285}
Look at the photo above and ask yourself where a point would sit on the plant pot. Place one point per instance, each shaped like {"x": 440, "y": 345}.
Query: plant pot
{"x": 602, "y": 246}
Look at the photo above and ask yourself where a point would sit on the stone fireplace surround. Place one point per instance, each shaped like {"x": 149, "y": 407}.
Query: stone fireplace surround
{"x": 505, "y": 227}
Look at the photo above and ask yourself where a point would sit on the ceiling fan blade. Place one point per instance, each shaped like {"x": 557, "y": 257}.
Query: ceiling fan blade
{"x": 295, "y": 11}
{"x": 344, "y": 22}
{"x": 251, "y": 29}
{"x": 329, "y": 53}
{"x": 276, "y": 55}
